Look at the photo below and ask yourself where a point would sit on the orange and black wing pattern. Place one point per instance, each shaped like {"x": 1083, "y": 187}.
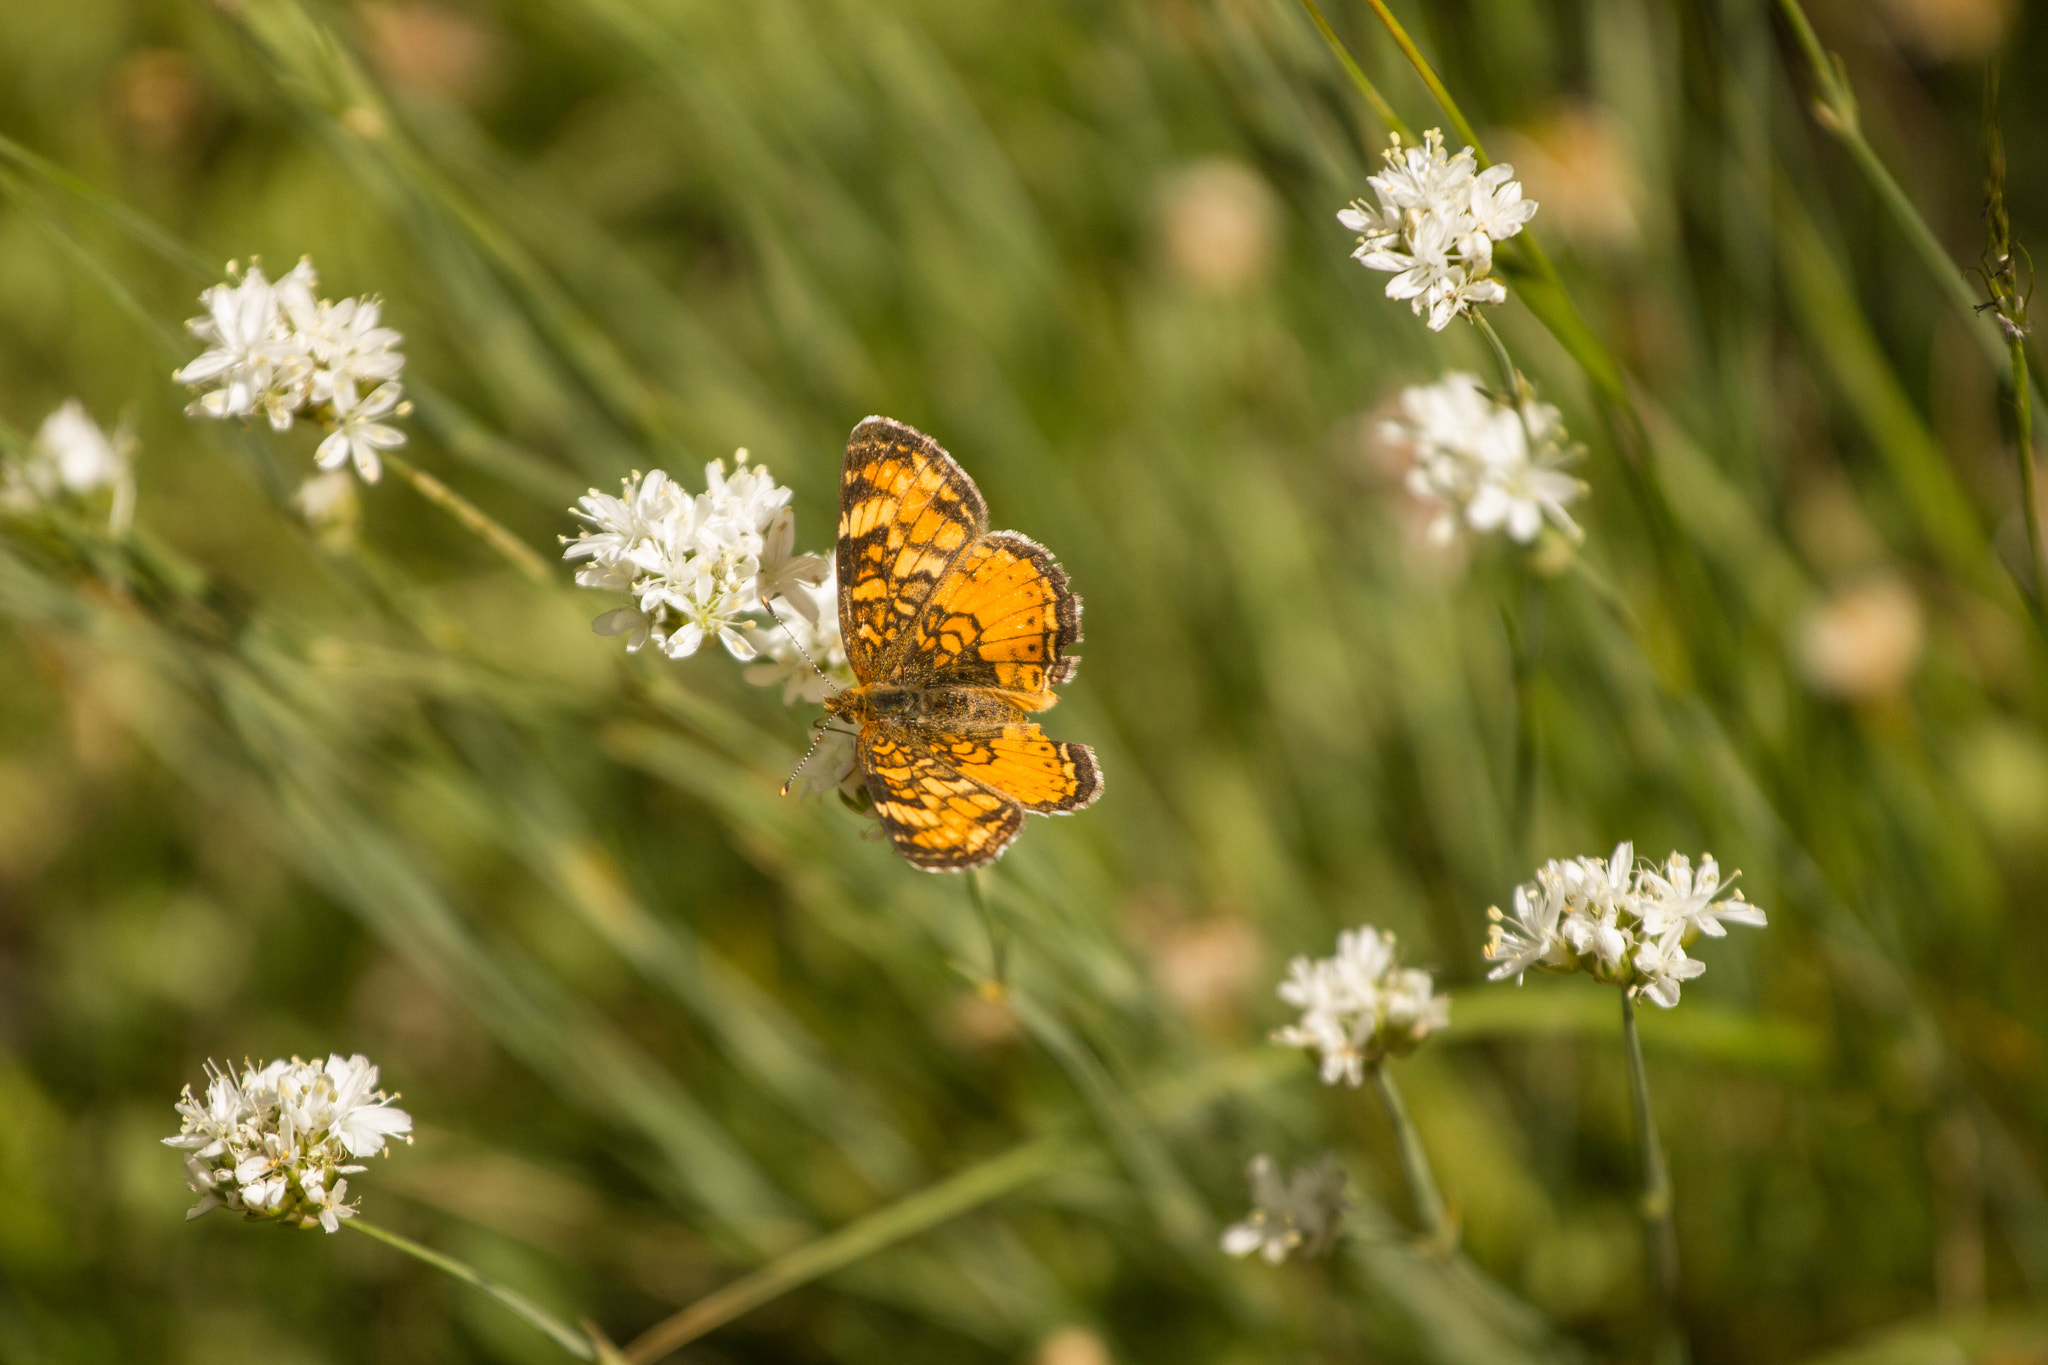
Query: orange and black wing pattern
{"x": 938, "y": 819}
{"x": 906, "y": 511}
{"x": 976, "y": 623}
{"x": 1002, "y": 618}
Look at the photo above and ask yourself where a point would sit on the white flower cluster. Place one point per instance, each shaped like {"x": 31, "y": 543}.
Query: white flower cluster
{"x": 699, "y": 567}
{"x": 1435, "y": 225}
{"x": 1626, "y": 925}
{"x": 1490, "y": 463}
{"x": 71, "y": 457}
{"x": 1305, "y": 1211}
{"x": 276, "y": 349}
{"x": 275, "y": 1142}
{"x": 1359, "y": 1006}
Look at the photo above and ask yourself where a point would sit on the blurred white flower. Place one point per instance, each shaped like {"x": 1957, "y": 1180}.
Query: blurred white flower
{"x": 702, "y": 567}
{"x": 1358, "y": 1006}
{"x": 1434, "y": 226}
{"x": 805, "y": 622}
{"x": 1491, "y": 464}
{"x": 72, "y": 457}
{"x": 276, "y": 1141}
{"x": 330, "y": 506}
{"x": 1305, "y": 1211}
{"x": 279, "y": 350}
{"x": 1624, "y": 924}
{"x": 831, "y": 766}
{"x": 1864, "y": 642}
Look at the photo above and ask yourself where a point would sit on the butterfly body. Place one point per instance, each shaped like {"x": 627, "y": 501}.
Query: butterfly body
{"x": 955, "y": 633}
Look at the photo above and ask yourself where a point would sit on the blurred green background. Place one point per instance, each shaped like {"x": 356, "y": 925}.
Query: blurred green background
{"x": 258, "y": 796}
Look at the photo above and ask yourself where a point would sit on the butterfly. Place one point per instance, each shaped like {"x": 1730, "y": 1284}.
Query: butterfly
{"x": 955, "y": 633}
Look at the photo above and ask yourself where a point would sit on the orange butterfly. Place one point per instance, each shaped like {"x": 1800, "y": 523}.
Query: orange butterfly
{"x": 954, "y": 633}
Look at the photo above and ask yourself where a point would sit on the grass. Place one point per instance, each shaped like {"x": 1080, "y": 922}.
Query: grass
{"x": 672, "y": 1040}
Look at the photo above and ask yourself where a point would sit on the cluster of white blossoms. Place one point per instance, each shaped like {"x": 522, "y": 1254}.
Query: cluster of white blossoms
{"x": 72, "y": 457}
{"x": 699, "y": 566}
{"x": 1435, "y": 225}
{"x": 1489, "y": 463}
{"x": 1304, "y": 1212}
{"x": 1625, "y": 924}
{"x": 274, "y": 348}
{"x": 277, "y": 1142}
{"x": 1360, "y": 1005}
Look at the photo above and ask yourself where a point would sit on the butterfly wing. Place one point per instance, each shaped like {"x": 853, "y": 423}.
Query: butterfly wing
{"x": 906, "y": 512}
{"x": 938, "y": 819}
{"x": 1002, "y": 618}
{"x": 1046, "y": 776}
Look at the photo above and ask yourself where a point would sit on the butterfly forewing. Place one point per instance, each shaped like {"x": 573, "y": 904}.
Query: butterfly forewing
{"x": 906, "y": 511}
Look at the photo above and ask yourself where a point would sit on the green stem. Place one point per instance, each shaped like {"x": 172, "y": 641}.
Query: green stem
{"x": 1838, "y": 114}
{"x": 1430, "y": 1211}
{"x": 1660, "y": 1237}
{"x": 568, "y": 1338}
{"x": 2023, "y": 429}
{"x": 854, "y": 1242}
{"x": 471, "y": 516}
{"x": 1380, "y": 108}
{"x": 1510, "y": 377}
{"x": 998, "y": 941}
{"x": 1459, "y": 124}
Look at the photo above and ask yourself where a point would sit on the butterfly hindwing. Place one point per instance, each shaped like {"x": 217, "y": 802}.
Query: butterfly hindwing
{"x": 906, "y": 512}
{"x": 938, "y": 819}
{"x": 1048, "y": 776}
{"x": 1003, "y": 617}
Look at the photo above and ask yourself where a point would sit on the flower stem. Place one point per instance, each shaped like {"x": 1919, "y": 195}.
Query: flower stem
{"x": 471, "y": 516}
{"x": 1380, "y": 108}
{"x": 1430, "y": 1211}
{"x": 1660, "y": 1238}
{"x": 998, "y": 941}
{"x": 2023, "y": 430}
{"x": 568, "y": 1338}
{"x": 1510, "y": 377}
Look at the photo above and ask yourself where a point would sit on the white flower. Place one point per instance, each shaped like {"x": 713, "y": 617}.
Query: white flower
{"x": 279, "y": 350}
{"x": 330, "y": 506}
{"x": 805, "y": 621}
{"x": 1434, "y": 226}
{"x": 358, "y": 434}
{"x": 277, "y": 1141}
{"x": 830, "y": 767}
{"x": 705, "y": 567}
{"x": 1679, "y": 895}
{"x": 1303, "y": 1212}
{"x": 1491, "y": 464}
{"x": 1622, "y": 924}
{"x": 1661, "y": 964}
{"x": 241, "y": 331}
{"x": 1531, "y": 938}
{"x": 1358, "y": 1006}
{"x": 72, "y": 457}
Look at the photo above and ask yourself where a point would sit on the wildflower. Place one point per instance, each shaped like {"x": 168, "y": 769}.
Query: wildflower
{"x": 72, "y": 457}
{"x": 830, "y": 767}
{"x": 1306, "y": 1211}
{"x": 277, "y": 1141}
{"x": 804, "y": 631}
{"x": 1358, "y": 1006}
{"x": 1620, "y": 922}
{"x": 358, "y": 435}
{"x": 329, "y": 504}
{"x": 277, "y": 349}
{"x": 1492, "y": 464}
{"x": 699, "y": 567}
{"x": 1434, "y": 226}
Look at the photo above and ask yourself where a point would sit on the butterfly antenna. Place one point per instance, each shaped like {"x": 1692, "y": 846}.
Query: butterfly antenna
{"x": 801, "y": 650}
{"x": 817, "y": 738}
